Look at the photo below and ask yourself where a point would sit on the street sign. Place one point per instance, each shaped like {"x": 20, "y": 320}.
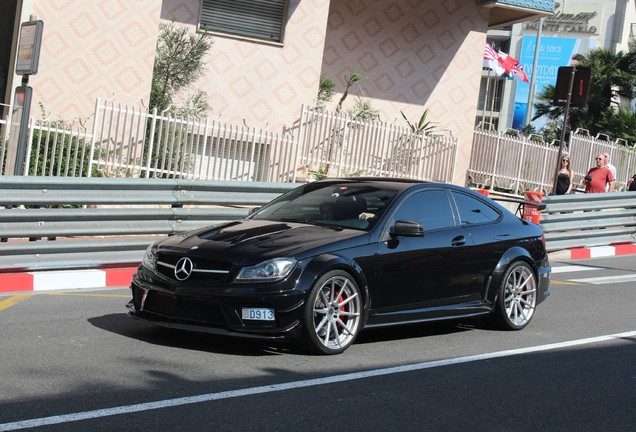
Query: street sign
{"x": 580, "y": 86}
{"x": 29, "y": 48}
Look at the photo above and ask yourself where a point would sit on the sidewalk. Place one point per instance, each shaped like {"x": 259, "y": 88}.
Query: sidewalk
{"x": 120, "y": 277}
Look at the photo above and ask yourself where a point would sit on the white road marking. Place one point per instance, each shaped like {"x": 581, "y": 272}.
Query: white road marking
{"x": 572, "y": 268}
{"x": 169, "y": 403}
{"x": 607, "y": 279}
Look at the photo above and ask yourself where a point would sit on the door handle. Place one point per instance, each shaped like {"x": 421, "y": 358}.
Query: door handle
{"x": 458, "y": 241}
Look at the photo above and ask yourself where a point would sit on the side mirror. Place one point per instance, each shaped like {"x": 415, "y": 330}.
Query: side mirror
{"x": 406, "y": 228}
{"x": 253, "y": 210}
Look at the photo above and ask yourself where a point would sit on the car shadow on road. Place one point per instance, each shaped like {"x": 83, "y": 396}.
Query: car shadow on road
{"x": 419, "y": 330}
{"x": 123, "y": 325}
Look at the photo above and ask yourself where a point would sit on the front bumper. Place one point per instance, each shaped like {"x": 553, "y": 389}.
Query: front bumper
{"x": 215, "y": 310}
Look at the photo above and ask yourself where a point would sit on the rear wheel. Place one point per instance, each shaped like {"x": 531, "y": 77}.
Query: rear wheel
{"x": 333, "y": 313}
{"x": 517, "y": 297}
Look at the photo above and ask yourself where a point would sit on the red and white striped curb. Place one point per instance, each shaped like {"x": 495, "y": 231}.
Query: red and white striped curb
{"x": 66, "y": 279}
{"x": 596, "y": 252}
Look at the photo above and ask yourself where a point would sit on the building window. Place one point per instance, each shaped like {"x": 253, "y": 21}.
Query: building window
{"x": 258, "y": 19}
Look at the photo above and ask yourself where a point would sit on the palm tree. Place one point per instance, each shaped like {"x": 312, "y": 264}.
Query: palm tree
{"x": 613, "y": 77}
{"x": 544, "y": 108}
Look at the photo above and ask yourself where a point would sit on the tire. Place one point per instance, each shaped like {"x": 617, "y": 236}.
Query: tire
{"x": 333, "y": 314}
{"x": 517, "y": 297}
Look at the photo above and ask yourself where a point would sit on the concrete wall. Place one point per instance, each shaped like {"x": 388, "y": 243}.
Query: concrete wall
{"x": 262, "y": 83}
{"x": 93, "y": 48}
{"x": 418, "y": 54}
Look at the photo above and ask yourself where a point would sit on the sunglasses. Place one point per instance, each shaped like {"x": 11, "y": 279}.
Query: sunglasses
{"x": 566, "y": 160}
{"x": 599, "y": 158}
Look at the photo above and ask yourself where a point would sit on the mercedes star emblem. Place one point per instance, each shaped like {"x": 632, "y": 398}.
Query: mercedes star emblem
{"x": 183, "y": 269}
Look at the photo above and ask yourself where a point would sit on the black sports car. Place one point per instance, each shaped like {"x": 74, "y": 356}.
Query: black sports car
{"x": 329, "y": 258}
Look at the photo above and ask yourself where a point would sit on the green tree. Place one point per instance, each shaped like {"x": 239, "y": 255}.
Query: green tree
{"x": 326, "y": 88}
{"x": 354, "y": 78}
{"x": 621, "y": 124}
{"x": 423, "y": 126}
{"x": 363, "y": 110}
{"x": 179, "y": 62}
{"x": 613, "y": 77}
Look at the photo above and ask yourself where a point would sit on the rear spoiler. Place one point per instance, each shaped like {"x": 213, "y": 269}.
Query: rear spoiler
{"x": 521, "y": 204}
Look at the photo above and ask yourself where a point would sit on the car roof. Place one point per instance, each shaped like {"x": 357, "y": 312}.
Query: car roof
{"x": 391, "y": 183}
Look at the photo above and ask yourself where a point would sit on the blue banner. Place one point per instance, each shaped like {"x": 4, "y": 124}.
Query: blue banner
{"x": 553, "y": 52}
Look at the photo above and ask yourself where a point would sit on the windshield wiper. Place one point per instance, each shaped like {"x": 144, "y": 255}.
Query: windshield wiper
{"x": 305, "y": 221}
{"x": 333, "y": 226}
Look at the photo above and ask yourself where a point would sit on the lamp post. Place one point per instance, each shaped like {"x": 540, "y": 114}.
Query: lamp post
{"x": 535, "y": 63}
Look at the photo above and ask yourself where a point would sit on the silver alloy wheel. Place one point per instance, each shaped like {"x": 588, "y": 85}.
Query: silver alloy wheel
{"x": 519, "y": 295}
{"x": 336, "y": 313}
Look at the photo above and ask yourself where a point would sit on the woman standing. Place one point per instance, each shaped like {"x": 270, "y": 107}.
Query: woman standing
{"x": 564, "y": 178}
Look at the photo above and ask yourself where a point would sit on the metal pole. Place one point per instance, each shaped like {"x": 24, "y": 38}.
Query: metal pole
{"x": 565, "y": 123}
{"x": 483, "y": 108}
{"x": 492, "y": 102}
{"x": 535, "y": 63}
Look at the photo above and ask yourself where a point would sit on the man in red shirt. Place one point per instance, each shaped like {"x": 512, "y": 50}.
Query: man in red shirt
{"x": 598, "y": 177}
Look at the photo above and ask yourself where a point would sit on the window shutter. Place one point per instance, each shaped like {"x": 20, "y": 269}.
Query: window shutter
{"x": 260, "y": 19}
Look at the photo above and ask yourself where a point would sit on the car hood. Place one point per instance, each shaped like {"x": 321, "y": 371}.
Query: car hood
{"x": 251, "y": 241}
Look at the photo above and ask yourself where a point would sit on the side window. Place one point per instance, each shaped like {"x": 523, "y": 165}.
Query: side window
{"x": 430, "y": 208}
{"x": 249, "y": 18}
{"x": 473, "y": 211}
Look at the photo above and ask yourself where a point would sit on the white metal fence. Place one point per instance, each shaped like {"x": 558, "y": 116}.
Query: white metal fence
{"x": 129, "y": 141}
{"x": 515, "y": 163}
{"x": 342, "y": 146}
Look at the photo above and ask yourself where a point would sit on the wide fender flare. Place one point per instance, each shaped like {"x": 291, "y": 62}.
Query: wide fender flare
{"x": 513, "y": 254}
{"x": 321, "y": 264}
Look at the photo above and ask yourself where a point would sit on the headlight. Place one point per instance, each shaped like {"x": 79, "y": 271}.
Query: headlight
{"x": 267, "y": 271}
{"x": 150, "y": 257}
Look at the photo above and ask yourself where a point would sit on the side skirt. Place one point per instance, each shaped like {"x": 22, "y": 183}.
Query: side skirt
{"x": 437, "y": 313}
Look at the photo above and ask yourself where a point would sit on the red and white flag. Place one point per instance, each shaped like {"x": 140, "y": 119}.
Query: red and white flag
{"x": 491, "y": 60}
{"x": 512, "y": 67}
{"x": 503, "y": 65}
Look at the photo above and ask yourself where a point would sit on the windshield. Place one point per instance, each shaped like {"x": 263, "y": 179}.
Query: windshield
{"x": 344, "y": 204}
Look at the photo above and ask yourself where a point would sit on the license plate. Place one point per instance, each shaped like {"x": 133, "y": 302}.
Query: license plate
{"x": 258, "y": 314}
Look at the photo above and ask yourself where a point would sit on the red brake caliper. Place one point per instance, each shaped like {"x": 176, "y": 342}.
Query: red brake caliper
{"x": 342, "y": 308}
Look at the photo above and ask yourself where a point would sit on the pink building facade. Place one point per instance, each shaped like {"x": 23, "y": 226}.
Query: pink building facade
{"x": 417, "y": 55}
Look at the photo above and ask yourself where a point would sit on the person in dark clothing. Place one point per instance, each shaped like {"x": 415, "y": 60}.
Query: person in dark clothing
{"x": 564, "y": 178}
{"x": 631, "y": 184}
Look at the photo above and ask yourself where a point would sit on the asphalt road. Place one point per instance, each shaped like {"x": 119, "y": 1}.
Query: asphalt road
{"x": 73, "y": 361}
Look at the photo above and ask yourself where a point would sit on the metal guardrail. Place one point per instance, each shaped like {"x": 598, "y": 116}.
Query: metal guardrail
{"x": 98, "y": 222}
{"x": 585, "y": 220}
{"x": 102, "y": 221}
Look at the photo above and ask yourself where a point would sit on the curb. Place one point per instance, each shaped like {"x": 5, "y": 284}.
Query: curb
{"x": 595, "y": 252}
{"x": 65, "y": 279}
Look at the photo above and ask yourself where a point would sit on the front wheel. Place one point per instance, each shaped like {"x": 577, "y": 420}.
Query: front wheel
{"x": 333, "y": 313}
{"x": 517, "y": 297}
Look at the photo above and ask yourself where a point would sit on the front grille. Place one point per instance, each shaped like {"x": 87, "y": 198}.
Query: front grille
{"x": 180, "y": 309}
{"x": 204, "y": 269}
